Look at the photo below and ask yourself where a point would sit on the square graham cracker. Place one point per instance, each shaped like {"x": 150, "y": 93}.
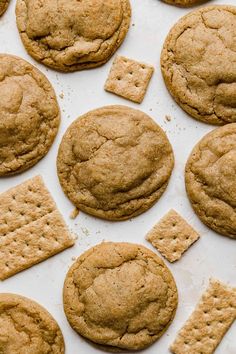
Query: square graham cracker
{"x": 172, "y": 236}
{"x": 31, "y": 227}
{"x": 129, "y": 79}
{"x": 209, "y": 322}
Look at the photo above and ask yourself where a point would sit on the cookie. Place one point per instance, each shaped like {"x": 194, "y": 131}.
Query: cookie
{"x": 120, "y": 295}
{"x": 31, "y": 227}
{"x": 129, "y": 79}
{"x": 172, "y": 236}
{"x": 72, "y": 35}
{"x": 198, "y": 64}
{"x": 114, "y": 162}
{"x": 26, "y": 327}
{"x": 29, "y": 112}
{"x": 184, "y": 3}
{"x": 3, "y": 6}
{"x": 209, "y": 322}
{"x": 210, "y": 180}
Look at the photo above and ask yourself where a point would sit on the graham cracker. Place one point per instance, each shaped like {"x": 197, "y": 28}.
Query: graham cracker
{"x": 31, "y": 227}
{"x": 172, "y": 236}
{"x": 129, "y": 78}
{"x": 209, "y": 322}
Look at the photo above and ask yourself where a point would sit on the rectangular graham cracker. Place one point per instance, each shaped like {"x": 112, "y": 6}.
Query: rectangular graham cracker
{"x": 172, "y": 236}
{"x": 209, "y": 322}
{"x": 129, "y": 79}
{"x": 31, "y": 227}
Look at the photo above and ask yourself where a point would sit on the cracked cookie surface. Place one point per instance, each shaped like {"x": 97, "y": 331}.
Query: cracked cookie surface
{"x": 114, "y": 162}
{"x": 26, "y": 327}
{"x": 69, "y": 35}
{"x": 3, "y": 6}
{"x": 210, "y": 180}
{"x": 199, "y": 64}
{"x": 29, "y": 113}
{"x": 120, "y": 295}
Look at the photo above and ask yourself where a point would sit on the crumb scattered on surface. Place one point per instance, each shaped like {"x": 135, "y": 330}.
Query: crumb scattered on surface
{"x": 74, "y": 213}
{"x": 61, "y": 95}
{"x": 168, "y": 118}
{"x": 85, "y": 231}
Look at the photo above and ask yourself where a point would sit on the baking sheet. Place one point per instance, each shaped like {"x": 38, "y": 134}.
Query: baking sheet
{"x": 212, "y": 256}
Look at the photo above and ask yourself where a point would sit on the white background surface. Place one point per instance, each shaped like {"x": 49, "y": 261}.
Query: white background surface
{"x": 212, "y": 256}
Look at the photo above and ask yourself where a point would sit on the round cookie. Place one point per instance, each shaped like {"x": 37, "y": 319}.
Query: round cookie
{"x": 198, "y": 64}
{"x": 211, "y": 182}
{"x": 114, "y": 162}
{"x": 70, "y": 35}
{"x": 29, "y": 115}
{"x": 184, "y": 3}
{"x": 26, "y": 327}
{"x": 120, "y": 295}
{"x": 3, "y": 6}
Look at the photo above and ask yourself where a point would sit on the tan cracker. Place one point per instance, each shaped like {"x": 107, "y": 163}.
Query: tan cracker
{"x": 129, "y": 78}
{"x": 172, "y": 236}
{"x": 31, "y": 227}
{"x": 209, "y": 322}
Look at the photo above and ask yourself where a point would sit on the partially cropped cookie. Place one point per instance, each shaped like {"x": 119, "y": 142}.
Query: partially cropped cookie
{"x": 71, "y": 35}
{"x": 29, "y": 114}
{"x": 211, "y": 181}
{"x": 120, "y": 295}
{"x": 3, "y": 6}
{"x": 26, "y": 327}
{"x": 198, "y": 63}
{"x": 184, "y": 3}
{"x": 114, "y": 162}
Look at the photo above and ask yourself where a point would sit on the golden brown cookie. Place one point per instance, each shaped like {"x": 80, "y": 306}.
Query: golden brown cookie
{"x": 114, "y": 162}
{"x": 69, "y": 35}
{"x": 26, "y": 327}
{"x": 29, "y": 114}
{"x": 198, "y": 63}
{"x": 184, "y": 3}
{"x": 3, "y": 6}
{"x": 211, "y": 180}
{"x": 120, "y": 295}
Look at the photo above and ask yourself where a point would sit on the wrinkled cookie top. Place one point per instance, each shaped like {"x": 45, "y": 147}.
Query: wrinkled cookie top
{"x": 199, "y": 64}
{"x": 211, "y": 180}
{"x": 120, "y": 295}
{"x": 3, "y": 6}
{"x": 114, "y": 162}
{"x": 70, "y": 34}
{"x": 26, "y": 327}
{"x": 29, "y": 115}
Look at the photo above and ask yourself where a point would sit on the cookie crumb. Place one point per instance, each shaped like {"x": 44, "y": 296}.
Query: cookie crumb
{"x": 74, "y": 213}
{"x": 168, "y": 118}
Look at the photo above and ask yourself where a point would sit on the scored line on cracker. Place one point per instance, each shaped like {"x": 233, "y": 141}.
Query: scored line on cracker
{"x": 209, "y": 322}
{"x": 172, "y": 236}
{"x": 129, "y": 79}
{"x": 31, "y": 227}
